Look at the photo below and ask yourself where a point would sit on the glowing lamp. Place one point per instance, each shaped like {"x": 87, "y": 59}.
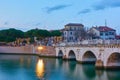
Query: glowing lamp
{"x": 40, "y": 48}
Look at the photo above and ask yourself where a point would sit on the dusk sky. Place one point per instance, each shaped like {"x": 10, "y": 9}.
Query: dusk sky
{"x": 54, "y": 14}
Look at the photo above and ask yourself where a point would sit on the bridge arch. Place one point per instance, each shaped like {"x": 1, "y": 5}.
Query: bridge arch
{"x": 60, "y": 54}
{"x": 89, "y": 56}
{"x": 113, "y": 60}
{"x": 71, "y": 55}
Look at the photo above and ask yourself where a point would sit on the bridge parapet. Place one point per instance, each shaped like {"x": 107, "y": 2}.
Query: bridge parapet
{"x": 97, "y": 45}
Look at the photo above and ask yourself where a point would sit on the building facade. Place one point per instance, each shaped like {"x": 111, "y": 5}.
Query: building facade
{"x": 103, "y": 32}
{"x": 70, "y": 32}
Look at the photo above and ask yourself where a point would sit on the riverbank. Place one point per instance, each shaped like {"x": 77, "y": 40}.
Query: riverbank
{"x": 47, "y": 51}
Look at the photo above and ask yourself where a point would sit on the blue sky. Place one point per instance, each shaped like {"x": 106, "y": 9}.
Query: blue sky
{"x": 54, "y": 14}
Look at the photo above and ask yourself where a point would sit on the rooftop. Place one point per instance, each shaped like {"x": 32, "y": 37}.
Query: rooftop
{"x": 74, "y": 24}
{"x": 117, "y": 36}
{"x": 104, "y": 28}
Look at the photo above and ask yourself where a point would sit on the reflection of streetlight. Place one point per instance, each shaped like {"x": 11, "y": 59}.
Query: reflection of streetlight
{"x": 40, "y": 69}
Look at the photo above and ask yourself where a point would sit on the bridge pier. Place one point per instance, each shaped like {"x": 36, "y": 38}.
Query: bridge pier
{"x": 64, "y": 57}
{"x": 99, "y": 64}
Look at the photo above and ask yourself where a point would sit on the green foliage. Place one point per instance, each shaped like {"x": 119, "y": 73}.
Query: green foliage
{"x": 37, "y": 33}
{"x": 30, "y": 33}
{"x": 56, "y": 33}
{"x": 10, "y": 35}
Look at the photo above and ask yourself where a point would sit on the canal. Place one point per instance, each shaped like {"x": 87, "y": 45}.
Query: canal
{"x": 21, "y": 67}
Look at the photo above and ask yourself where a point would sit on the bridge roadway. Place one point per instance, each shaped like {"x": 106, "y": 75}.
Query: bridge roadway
{"x": 104, "y": 56}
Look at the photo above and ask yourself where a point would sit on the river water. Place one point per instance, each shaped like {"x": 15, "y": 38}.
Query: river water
{"x": 19, "y": 67}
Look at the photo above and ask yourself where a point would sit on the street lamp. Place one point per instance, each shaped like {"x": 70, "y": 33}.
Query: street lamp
{"x": 40, "y": 48}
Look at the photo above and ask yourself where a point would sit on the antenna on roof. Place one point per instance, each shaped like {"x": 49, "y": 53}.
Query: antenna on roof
{"x": 105, "y": 22}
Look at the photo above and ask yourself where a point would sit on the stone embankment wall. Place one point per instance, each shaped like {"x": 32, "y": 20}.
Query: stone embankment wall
{"x": 45, "y": 51}
{"x": 30, "y": 49}
{"x": 21, "y": 49}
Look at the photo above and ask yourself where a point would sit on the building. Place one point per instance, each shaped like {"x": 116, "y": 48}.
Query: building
{"x": 118, "y": 37}
{"x": 57, "y": 39}
{"x": 70, "y": 32}
{"x": 22, "y": 41}
{"x": 103, "y": 32}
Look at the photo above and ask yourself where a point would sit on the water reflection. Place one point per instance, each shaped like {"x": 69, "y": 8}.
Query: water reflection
{"x": 89, "y": 71}
{"x": 113, "y": 75}
{"x": 31, "y": 68}
{"x": 40, "y": 68}
{"x": 99, "y": 72}
{"x": 72, "y": 66}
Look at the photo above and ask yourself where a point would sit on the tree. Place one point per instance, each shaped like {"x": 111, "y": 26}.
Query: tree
{"x": 81, "y": 34}
{"x": 56, "y": 33}
{"x": 39, "y": 33}
{"x": 10, "y": 35}
{"x": 30, "y": 33}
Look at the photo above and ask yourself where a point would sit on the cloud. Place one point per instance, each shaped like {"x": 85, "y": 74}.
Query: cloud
{"x": 84, "y": 11}
{"x": 38, "y": 24}
{"x": 56, "y": 8}
{"x": 6, "y": 23}
{"x": 106, "y": 4}
{"x": 101, "y": 5}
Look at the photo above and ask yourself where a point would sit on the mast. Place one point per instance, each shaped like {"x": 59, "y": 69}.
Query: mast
{"x": 105, "y": 22}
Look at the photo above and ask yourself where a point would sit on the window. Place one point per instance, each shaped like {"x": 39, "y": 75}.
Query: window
{"x": 111, "y": 33}
{"x": 106, "y": 34}
{"x": 65, "y": 33}
{"x": 72, "y": 28}
{"x": 101, "y": 34}
{"x": 75, "y": 28}
{"x": 70, "y": 33}
{"x": 71, "y": 38}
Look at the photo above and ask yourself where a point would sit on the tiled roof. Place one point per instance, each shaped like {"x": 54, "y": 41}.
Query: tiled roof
{"x": 64, "y": 29}
{"x": 104, "y": 28}
{"x": 74, "y": 24}
{"x": 117, "y": 36}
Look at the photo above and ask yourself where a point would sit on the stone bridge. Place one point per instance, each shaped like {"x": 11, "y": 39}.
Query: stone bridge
{"x": 107, "y": 56}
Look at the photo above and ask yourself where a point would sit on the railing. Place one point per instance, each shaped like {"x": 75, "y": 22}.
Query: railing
{"x": 92, "y": 43}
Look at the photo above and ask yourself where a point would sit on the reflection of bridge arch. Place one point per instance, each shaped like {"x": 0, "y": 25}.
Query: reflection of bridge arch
{"x": 71, "y": 55}
{"x": 89, "y": 71}
{"x": 60, "y": 54}
{"x": 72, "y": 66}
{"x": 113, "y": 75}
{"x": 89, "y": 56}
{"x": 114, "y": 60}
